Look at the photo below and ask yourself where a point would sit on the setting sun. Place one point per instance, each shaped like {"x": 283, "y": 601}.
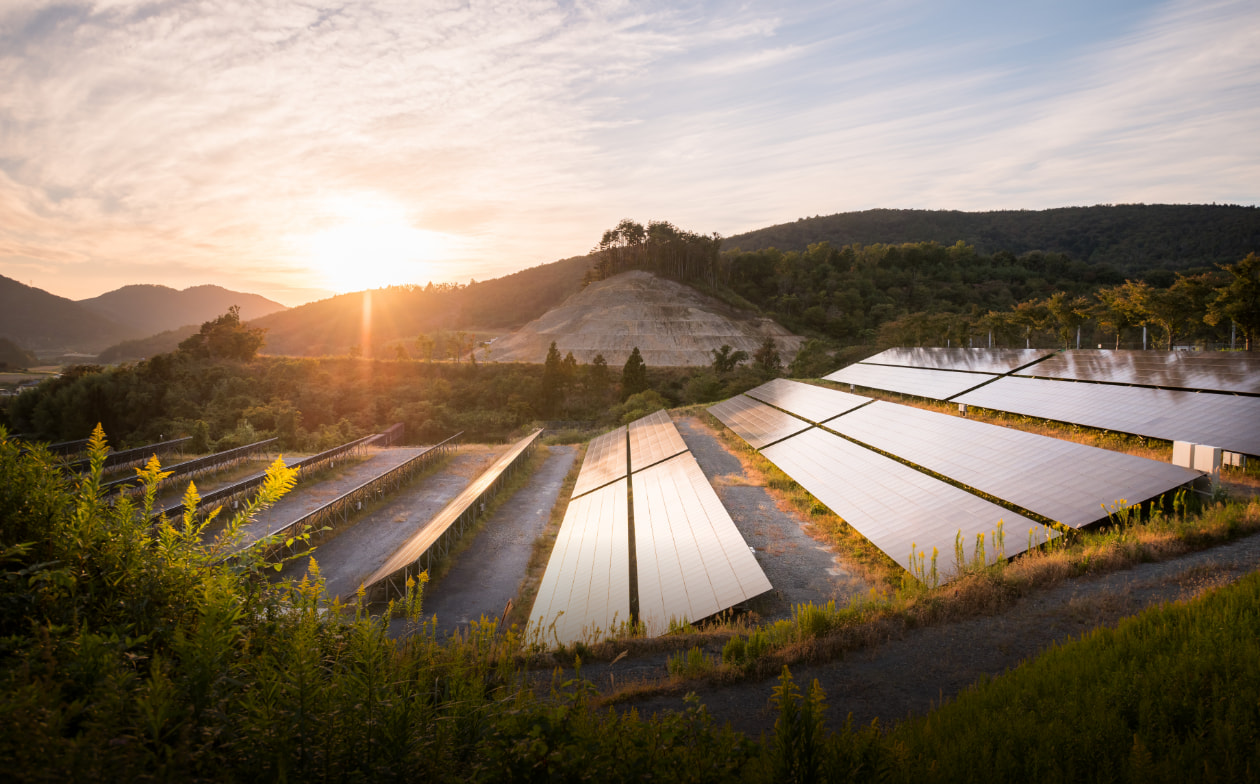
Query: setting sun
{"x": 372, "y": 243}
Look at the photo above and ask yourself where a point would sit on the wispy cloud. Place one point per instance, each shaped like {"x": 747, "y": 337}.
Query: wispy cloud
{"x": 170, "y": 143}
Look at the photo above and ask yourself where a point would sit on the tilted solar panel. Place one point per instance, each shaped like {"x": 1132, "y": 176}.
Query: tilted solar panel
{"x": 935, "y": 384}
{"x": 899, "y": 509}
{"x": 653, "y": 439}
{"x": 586, "y": 587}
{"x": 1064, "y": 481}
{"x": 1231, "y": 422}
{"x": 692, "y": 561}
{"x": 1207, "y": 370}
{"x": 605, "y": 462}
{"x": 975, "y": 360}
{"x": 755, "y": 422}
{"x": 816, "y": 404}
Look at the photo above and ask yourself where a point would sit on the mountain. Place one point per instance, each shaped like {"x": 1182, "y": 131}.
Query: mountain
{"x": 43, "y": 322}
{"x": 1132, "y": 238}
{"x": 149, "y": 309}
{"x": 671, "y": 324}
{"x": 370, "y": 319}
{"x": 143, "y": 348}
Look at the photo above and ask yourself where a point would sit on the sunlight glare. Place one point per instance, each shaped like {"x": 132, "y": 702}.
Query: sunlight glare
{"x": 372, "y": 243}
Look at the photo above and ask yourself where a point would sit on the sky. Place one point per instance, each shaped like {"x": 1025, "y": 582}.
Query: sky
{"x": 296, "y": 150}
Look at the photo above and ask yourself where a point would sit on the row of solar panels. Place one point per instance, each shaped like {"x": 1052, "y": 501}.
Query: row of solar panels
{"x": 644, "y": 532}
{"x": 841, "y": 447}
{"x": 1143, "y": 393}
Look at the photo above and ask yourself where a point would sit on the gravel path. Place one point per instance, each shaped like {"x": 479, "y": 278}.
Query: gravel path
{"x": 349, "y": 557}
{"x": 488, "y": 574}
{"x": 800, "y": 568}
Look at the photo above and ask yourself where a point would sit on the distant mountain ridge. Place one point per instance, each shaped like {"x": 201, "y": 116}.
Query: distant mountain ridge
{"x": 37, "y": 320}
{"x": 1133, "y": 238}
{"x": 147, "y": 309}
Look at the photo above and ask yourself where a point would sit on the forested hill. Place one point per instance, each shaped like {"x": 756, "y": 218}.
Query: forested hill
{"x": 369, "y": 320}
{"x": 1131, "y": 238}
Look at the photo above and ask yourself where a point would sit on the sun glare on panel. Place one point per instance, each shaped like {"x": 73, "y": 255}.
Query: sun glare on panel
{"x": 371, "y": 244}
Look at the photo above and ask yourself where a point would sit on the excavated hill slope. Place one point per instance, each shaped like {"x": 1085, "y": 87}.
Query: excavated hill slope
{"x": 672, "y": 324}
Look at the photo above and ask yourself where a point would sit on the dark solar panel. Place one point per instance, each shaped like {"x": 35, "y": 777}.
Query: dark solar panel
{"x": 900, "y": 510}
{"x": 976, "y": 360}
{"x": 1064, "y": 481}
{"x": 816, "y": 404}
{"x": 1231, "y": 422}
{"x": 934, "y": 384}
{"x": 1211, "y": 370}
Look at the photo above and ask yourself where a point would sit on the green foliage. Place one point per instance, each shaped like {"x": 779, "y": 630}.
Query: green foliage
{"x": 725, "y": 360}
{"x": 1239, "y": 299}
{"x": 692, "y": 663}
{"x": 14, "y": 357}
{"x": 225, "y": 338}
{"x": 638, "y": 406}
{"x": 633, "y": 375}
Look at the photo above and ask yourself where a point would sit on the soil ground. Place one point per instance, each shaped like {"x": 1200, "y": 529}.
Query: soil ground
{"x": 484, "y": 577}
{"x": 354, "y": 552}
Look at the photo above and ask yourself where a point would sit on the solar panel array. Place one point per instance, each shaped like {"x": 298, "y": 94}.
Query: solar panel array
{"x": 586, "y": 588}
{"x": 975, "y": 360}
{"x": 757, "y": 423}
{"x": 811, "y": 403}
{"x": 899, "y": 509}
{"x": 1231, "y": 422}
{"x": 1061, "y": 480}
{"x": 605, "y": 462}
{"x": 653, "y": 439}
{"x": 1215, "y": 370}
{"x": 692, "y": 560}
{"x": 920, "y": 382}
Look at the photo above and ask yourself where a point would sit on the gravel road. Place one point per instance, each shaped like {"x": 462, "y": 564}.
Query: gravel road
{"x": 486, "y": 575}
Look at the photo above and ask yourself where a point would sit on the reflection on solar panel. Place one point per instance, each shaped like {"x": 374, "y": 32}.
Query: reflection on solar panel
{"x": 756, "y": 423}
{"x": 935, "y": 384}
{"x": 1062, "y": 480}
{"x": 817, "y": 404}
{"x": 896, "y": 507}
{"x": 976, "y": 360}
{"x": 653, "y": 439}
{"x": 1213, "y": 370}
{"x": 692, "y": 561}
{"x": 1231, "y": 422}
{"x": 586, "y": 587}
{"x": 605, "y": 462}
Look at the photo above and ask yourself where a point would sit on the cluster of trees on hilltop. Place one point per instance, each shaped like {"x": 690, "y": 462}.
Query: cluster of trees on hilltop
{"x": 661, "y": 247}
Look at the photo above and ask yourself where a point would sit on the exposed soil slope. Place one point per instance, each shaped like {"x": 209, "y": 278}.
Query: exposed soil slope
{"x": 672, "y": 324}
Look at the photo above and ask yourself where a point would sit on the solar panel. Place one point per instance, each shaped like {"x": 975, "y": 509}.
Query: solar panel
{"x": 935, "y": 384}
{"x": 898, "y": 508}
{"x": 605, "y": 462}
{"x": 975, "y": 360}
{"x": 816, "y": 404}
{"x": 755, "y": 422}
{"x": 1067, "y": 482}
{"x": 653, "y": 439}
{"x": 692, "y": 561}
{"x": 1208, "y": 370}
{"x": 1231, "y": 422}
{"x": 586, "y": 587}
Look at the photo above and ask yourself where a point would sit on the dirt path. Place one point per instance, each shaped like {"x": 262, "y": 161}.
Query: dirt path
{"x": 360, "y": 549}
{"x": 800, "y": 568}
{"x": 486, "y": 575}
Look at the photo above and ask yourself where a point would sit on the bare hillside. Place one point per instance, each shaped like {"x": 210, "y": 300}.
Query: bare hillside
{"x": 672, "y": 324}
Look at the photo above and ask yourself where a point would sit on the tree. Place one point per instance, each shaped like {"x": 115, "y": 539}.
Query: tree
{"x": 597, "y": 379}
{"x": 633, "y": 375}
{"x": 725, "y": 360}
{"x": 552, "y": 381}
{"x": 1067, "y": 315}
{"x": 767, "y": 358}
{"x": 426, "y": 346}
{"x": 225, "y": 338}
{"x": 1239, "y": 299}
